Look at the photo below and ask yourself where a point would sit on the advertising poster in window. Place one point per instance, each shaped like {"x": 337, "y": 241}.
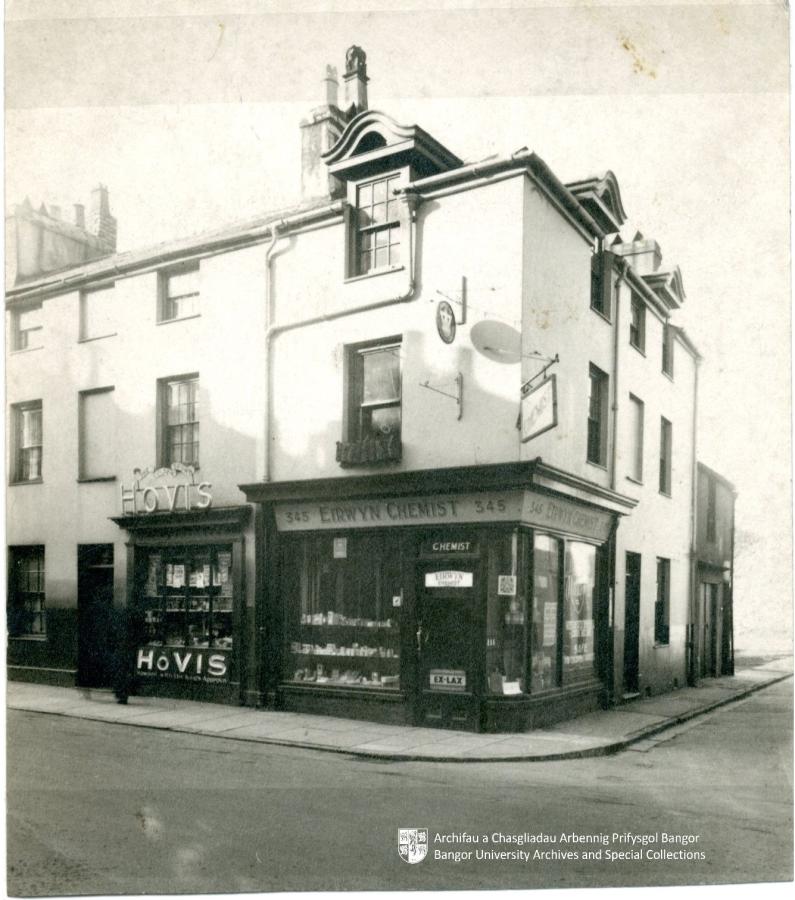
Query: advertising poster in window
{"x": 399, "y": 447}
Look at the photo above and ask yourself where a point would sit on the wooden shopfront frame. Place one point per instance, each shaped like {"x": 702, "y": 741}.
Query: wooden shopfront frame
{"x": 213, "y": 674}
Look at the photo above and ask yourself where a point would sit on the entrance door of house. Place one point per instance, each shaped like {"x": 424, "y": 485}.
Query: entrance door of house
{"x": 95, "y": 644}
{"x": 632, "y": 624}
{"x": 445, "y": 640}
{"x": 710, "y": 625}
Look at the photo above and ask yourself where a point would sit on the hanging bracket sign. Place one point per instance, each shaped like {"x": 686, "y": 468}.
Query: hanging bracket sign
{"x": 539, "y": 409}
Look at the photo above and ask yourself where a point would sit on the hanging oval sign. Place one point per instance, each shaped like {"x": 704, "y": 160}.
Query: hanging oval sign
{"x": 445, "y": 321}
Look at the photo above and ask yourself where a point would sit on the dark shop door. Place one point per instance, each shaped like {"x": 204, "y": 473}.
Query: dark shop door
{"x": 632, "y": 624}
{"x": 446, "y": 635}
{"x": 95, "y": 637}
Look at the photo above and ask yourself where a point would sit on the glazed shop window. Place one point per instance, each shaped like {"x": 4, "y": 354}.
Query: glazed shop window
{"x": 505, "y": 617}
{"x": 377, "y": 226}
{"x": 578, "y": 612}
{"x": 342, "y": 627}
{"x": 544, "y": 659}
{"x": 26, "y": 615}
{"x": 187, "y": 597}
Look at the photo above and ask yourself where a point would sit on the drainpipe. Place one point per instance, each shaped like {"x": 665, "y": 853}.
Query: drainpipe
{"x": 622, "y": 276}
{"x": 274, "y": 329}
{"x": 623, "y": 266}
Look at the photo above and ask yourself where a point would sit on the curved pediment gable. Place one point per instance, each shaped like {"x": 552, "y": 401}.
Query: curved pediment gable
{"x": 373, "y": 141}
{"x": 668, "y": 285}
{"x": 601, "y": 197}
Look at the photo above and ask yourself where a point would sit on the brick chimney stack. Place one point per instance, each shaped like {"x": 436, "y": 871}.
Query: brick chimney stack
{"x": 101, "y": 223}
{"x": 319, "y": 132}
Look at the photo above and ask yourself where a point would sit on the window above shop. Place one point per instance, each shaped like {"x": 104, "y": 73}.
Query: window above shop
{"x": 374, "y": 405}
{"x": 668, "y": 350}
{"x": 28, "y": 442}
{"x": 97, "y": 435}
{"x": 597, "y": 416}
{"x": 601, "y": 283}
{"x": 178, "y": 293}
{"x": 97, "y": 318}
{"x": 26, "y": 327}
{"x": 178, "y": 400}
{"x": 666, "y": 447}
{"x": 377, "y": 226}
{"x": 662, "y": 603}
{"x": 637, "y": 324}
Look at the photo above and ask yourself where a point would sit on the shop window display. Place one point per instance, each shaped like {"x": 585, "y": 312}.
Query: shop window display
{"x": 505, "y": 619}
{"x": 188, "y": 597}
{"x": 545, "y": 666}
{"x": 578, "y": 612}
{"x": 343, "y": 597}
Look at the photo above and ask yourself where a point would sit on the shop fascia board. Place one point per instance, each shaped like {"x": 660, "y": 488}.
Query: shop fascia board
{"x": 220, "y": 517}
{"x": 499, "y": 476}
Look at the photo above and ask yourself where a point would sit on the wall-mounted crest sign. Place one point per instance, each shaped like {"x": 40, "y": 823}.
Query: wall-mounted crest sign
{"x": 445, "y": 321}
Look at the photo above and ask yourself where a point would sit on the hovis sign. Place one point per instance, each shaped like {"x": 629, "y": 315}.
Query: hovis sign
{"x": 448, "y": 579}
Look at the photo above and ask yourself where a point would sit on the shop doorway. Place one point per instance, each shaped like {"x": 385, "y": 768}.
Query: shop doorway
{"x": 632, "y": 625}
{"x": 95, "y": 633}
{"x": 447, "y": 695}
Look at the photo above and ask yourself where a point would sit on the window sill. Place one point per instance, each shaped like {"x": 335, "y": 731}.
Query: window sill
{"x": 374, "y": 274}
{"x": 635, "y": 480}
{"x": 180, "y": 319}
{"x": 97, "y": 337}
{"x": 668, "y": 375}
{"x": 28, "y": 637}
{"x": 102, "y": 478}
{"x": 29, "y": 481}
{"x": 641, "y": 350}
{"x": 26, "y": 350}
{"x": 657, "y": 645}
{"x": 597, "y": 465}
{"x": 601, "y": 315}
{"x": 665, "y": 494}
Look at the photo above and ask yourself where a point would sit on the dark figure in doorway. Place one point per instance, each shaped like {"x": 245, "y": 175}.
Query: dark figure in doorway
{"x": 128, "y": 634}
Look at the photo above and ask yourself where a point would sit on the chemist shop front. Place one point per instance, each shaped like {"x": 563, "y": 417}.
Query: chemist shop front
{"x": 479, "y": 610}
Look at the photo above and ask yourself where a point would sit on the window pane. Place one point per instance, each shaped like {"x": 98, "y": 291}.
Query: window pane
{"x": 578, "y": 608}
{"x": 378, "y": 422}
{"x": 26, "y": 607}
{"x": 182, "y": 283}
{"x": 381, "y": 375}
{"x": 379, "y": 192}
{"x": 381, "y": 257}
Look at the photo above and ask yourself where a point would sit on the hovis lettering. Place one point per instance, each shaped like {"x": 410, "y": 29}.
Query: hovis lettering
{"x": 188, "y": 664}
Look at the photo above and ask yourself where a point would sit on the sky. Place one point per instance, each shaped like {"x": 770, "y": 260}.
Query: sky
{"x": 189, "y": 113}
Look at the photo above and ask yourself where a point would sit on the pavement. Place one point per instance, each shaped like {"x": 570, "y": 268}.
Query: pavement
{"x": 637, "y": 725}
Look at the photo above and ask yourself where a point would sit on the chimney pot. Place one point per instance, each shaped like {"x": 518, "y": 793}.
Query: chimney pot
{"x": 331, "y": 87}
{"x": 102, "y": 223}
{"x": 80, "y": 215}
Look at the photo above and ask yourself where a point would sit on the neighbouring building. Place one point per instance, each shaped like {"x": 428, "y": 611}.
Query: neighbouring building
{"x": 448, "y": 465}
{"x": 713, "y": 631}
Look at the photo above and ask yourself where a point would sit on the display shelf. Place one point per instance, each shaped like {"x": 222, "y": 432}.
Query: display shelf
{"x": 317, "y": 654}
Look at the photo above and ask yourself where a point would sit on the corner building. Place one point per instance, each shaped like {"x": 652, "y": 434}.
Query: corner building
{"x": 446, "y": 474}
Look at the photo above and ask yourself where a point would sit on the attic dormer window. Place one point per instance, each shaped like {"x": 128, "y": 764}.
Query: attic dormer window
{"x": 377, "y": 225}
